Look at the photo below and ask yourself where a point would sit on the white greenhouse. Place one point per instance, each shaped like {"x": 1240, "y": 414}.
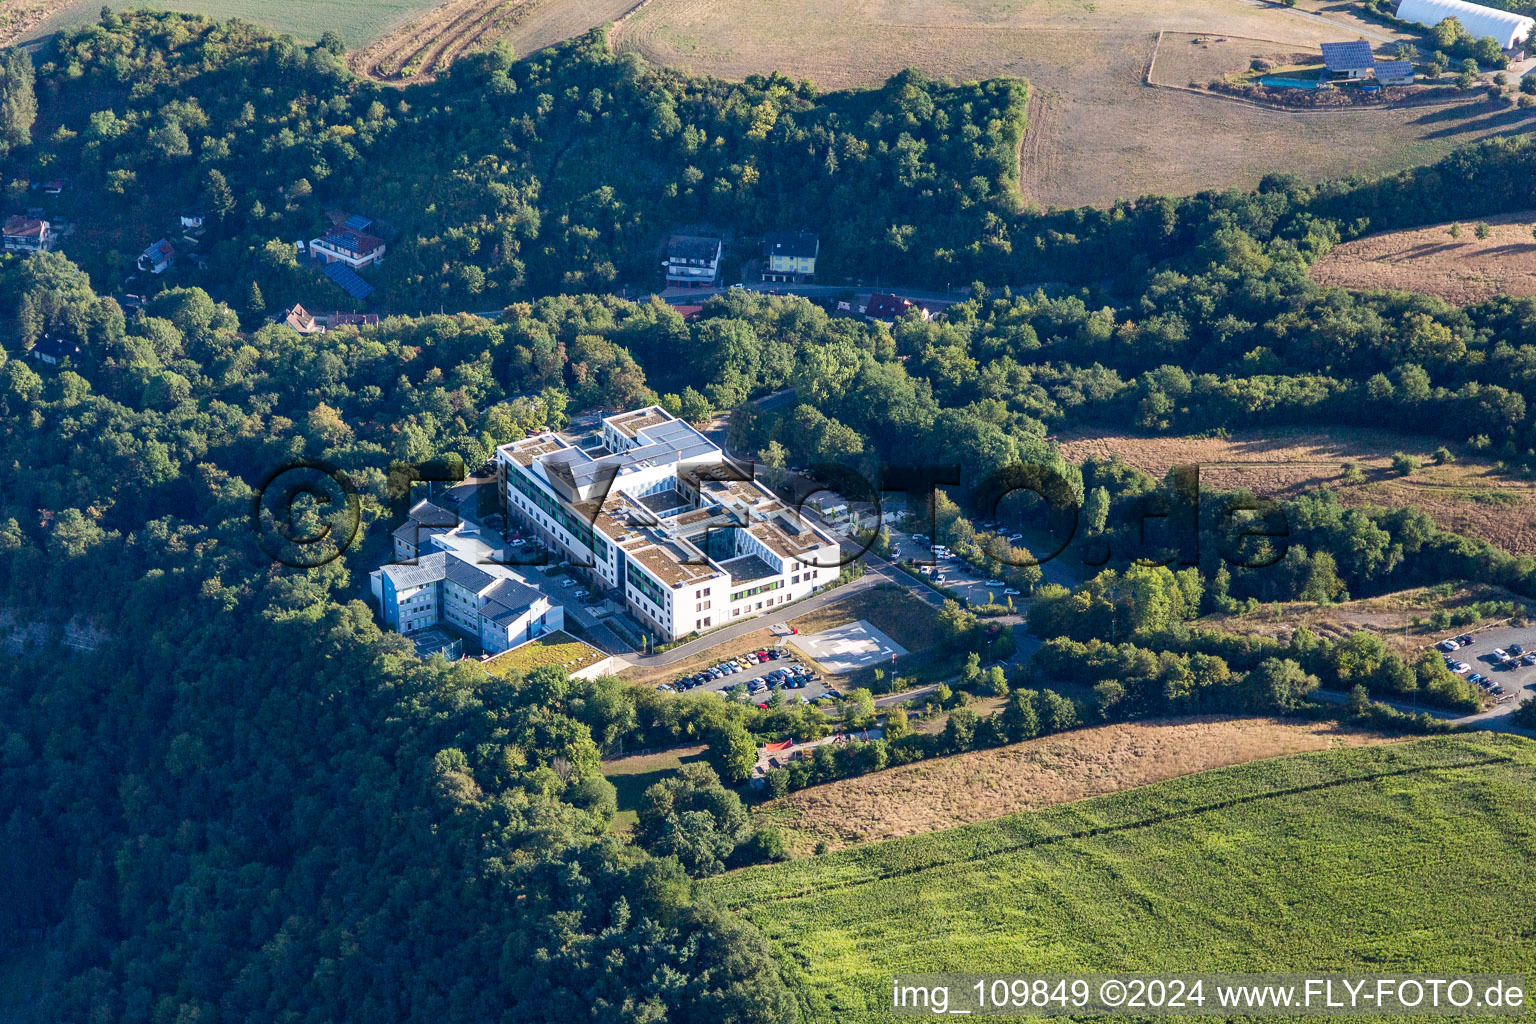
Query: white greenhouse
{"x": 1510, "y": 30}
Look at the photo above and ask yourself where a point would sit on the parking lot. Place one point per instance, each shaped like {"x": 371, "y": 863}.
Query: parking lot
{"x": 949, "y": 571}
{"x": 1516, "y": 680}
{"x": 759, "y": 673}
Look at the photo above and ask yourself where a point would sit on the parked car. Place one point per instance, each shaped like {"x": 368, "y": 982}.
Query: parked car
{"x": 1529, "y": 659}
{"x": 1011, "y": 592}
{"x": 994, "y": 583}
{"x": 1515, "y": 649}
{"x": 1461, "y": 668}
{"x": 1498, "y": 654}
{"x": 1447, "y": 645}
{"x": 1465, "y": 639}
{"x": 567, "y": 582}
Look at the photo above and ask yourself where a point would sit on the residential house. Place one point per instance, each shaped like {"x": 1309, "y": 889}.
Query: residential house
{"x": 192, "y": 219}
{"x": 157, "y": 259}
{"x": 300, "y": 319}
{"x": 53, "y": 351}
{"x": 1351, "y": 60}
{"x": 790, "y": 256}
{"x": 1394, "y": 72}
{"x": 888, "y": 308}
{"x": 649, "y": 507}
{"x": 352, "y": 246}
{"x": 693, "y": 261}
{"x": 28, "y": 234}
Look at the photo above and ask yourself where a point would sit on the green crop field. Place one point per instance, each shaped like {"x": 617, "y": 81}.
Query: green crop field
{"x": 1413, "y": 856}
{"x": 359, "y": 21}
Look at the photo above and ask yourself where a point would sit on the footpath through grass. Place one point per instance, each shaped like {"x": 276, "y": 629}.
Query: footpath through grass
{"x": 1414, "y": 856}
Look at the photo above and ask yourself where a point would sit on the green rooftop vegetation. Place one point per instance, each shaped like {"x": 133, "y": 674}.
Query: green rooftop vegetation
{"x": 557, "y": 648}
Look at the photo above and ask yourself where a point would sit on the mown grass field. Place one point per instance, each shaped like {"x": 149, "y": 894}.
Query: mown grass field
{"x": 1408, "y": 856}
{"x": 633, "y": 775}
{"x": 359, "y": 21}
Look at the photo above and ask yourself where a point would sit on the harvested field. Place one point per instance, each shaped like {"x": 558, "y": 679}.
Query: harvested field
{"x": 1467, "y": 496}
{"x": 432, "y": 42}
{"x": 1104, "y": 133}
{"x": 950, "y": 791}
{"x": 1430, "y": 261}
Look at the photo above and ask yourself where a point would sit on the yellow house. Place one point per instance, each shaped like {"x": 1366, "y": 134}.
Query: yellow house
{"x": 790, "y": 256}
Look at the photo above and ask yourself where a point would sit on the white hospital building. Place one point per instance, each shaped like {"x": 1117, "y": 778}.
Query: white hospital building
{"x": 652, "y": 509}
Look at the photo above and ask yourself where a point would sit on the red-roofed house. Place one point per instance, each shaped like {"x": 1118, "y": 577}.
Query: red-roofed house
{"x": 27, "y": 234}
{"x": 889, "y": 308}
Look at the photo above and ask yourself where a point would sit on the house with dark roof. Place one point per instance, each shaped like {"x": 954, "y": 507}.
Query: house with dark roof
{"x": 329, "y": 320}
{"x": 693, "y": 261}
{"x": 53, "y": 351}
{"x": 345, "y": 244}
{"x": 28, "y": 234}
{"x": 1350, "y": 60}
{"x": 790, "y": 256}
{"x": 455, "y": 583}
{"x": 888, "y": 308}
{"x": 157, "y": 259}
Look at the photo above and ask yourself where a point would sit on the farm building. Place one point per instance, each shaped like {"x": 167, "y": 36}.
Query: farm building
{"x": 1394, "y": 72}
{"x": 1508, "y": 29}
{"x": 1353, "y": 59}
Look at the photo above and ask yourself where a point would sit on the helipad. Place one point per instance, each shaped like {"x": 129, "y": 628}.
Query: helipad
{"x": 846, "y": 648}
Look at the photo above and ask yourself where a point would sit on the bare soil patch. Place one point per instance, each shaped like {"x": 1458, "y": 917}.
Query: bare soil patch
{"x": 1469, "y": 496}
{"x": 950, "y": 791}
{"x": 1460, "y": 269}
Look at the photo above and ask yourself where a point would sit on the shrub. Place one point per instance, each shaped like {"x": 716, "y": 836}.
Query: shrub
{"x": 1404, "y": 463}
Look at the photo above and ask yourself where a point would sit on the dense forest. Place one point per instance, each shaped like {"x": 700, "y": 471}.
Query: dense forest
{"x": 502, "y": 179}
{"x": 227, "y": 794}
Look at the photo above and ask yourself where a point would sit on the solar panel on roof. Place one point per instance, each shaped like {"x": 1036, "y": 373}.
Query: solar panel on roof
{"x": 346, "y": 279}
{"x": 1394, "y": 71}
{"x": 358, "y": 223}
{"x": 1348, "y": 56}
